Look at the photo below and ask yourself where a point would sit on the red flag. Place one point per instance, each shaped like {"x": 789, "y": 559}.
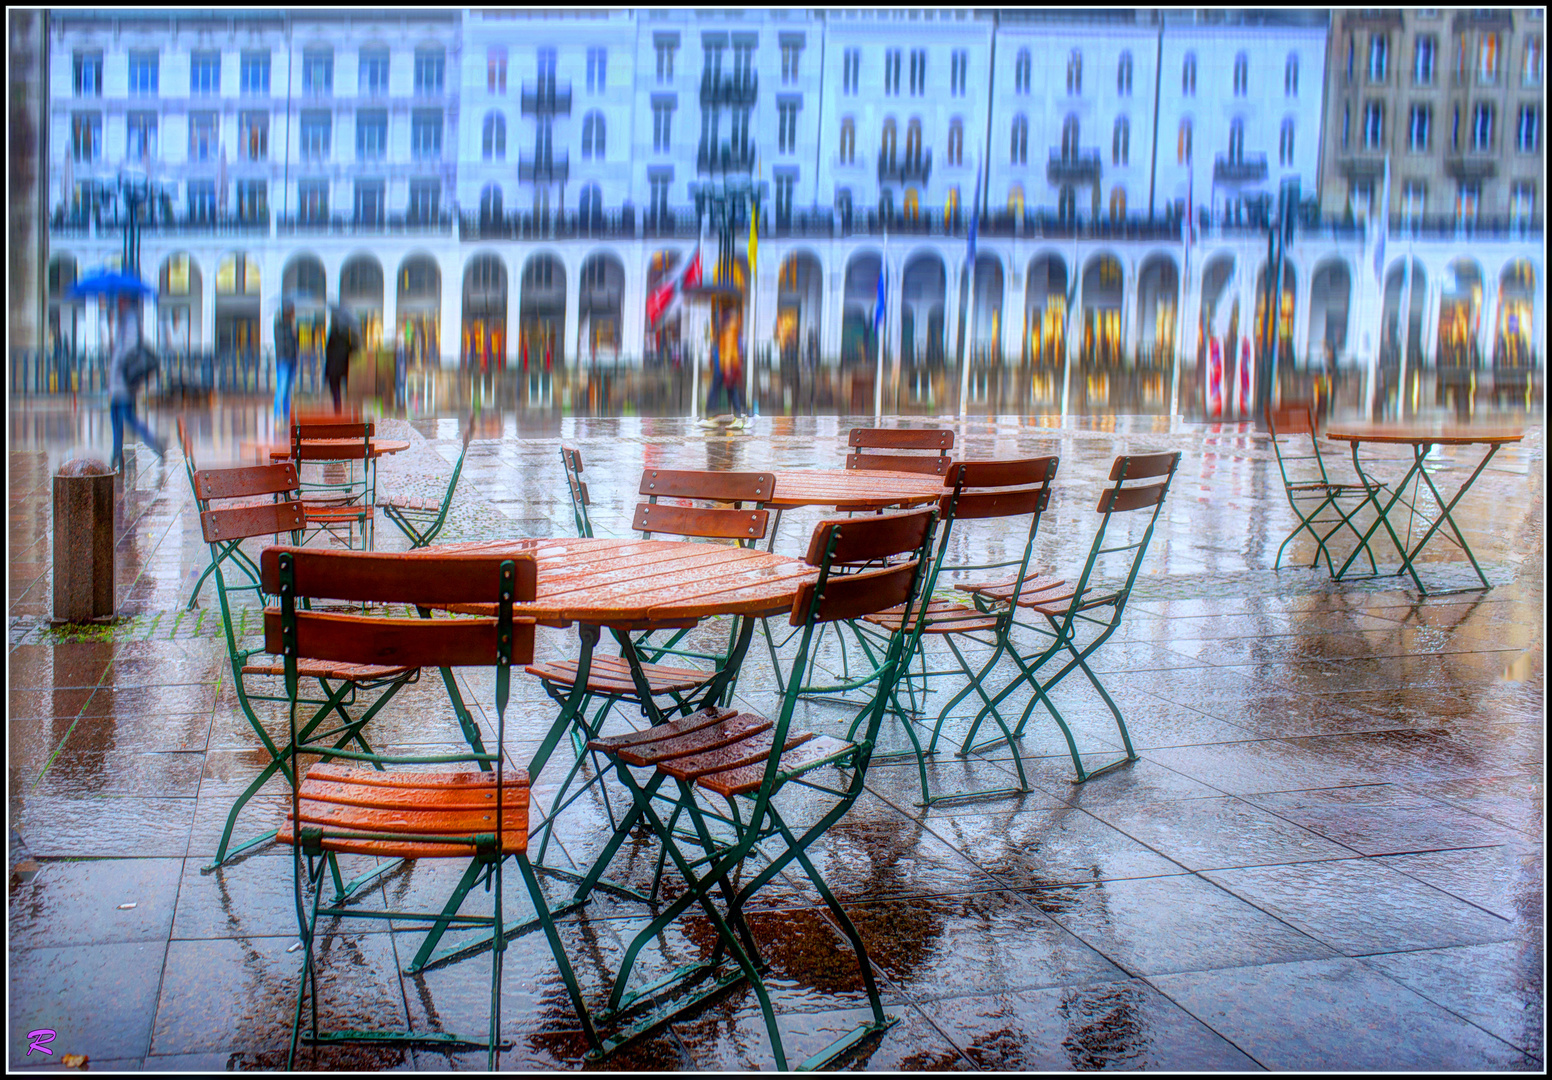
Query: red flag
{"x": 665, "y": 298}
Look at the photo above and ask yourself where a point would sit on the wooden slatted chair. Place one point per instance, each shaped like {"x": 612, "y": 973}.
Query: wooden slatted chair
{"x": 225, "y": 528}
{"x": 863, "y": 440}
{"x": 232, "y": 551}
{"x": 421, "y": 520}
{"x": 480, "y": 815}
{"x": 1308, "y": 496}
{"x": 571, "y": 462}
{"x": 717, "y": 758}
{"x": 1087, "y": 607}
{"x": 338, "y": 497}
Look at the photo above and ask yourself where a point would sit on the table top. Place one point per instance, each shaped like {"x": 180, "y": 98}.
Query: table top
{"x": 853, "y": 489}
{"x": 648, "y": 582}
{"x": 1424, "y": 433}
{"x": 279, "y": 451}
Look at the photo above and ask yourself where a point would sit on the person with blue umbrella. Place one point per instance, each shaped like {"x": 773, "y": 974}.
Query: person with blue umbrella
{"x": 126, "y": 371}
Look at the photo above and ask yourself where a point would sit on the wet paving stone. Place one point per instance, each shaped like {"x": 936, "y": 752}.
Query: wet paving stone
{"x": 95, "y": 901}
{"x": 1492, "y": 986}
{"x": 100, "y": 999}
{"x": 1204, "y": 834}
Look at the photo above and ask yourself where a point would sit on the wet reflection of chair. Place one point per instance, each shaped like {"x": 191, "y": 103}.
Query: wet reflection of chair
{"x": 1308, "y": 496}
{"x": 865, "y": 439}
{"x": 1070, "y": 611}
{"x": 480, "y": 815}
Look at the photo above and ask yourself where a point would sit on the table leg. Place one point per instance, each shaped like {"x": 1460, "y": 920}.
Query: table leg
{"x": 1382, "y": 515}
{"x": 1445, "y": 515}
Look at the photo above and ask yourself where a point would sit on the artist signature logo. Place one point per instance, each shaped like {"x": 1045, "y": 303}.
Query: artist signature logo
{"x": 39, "y": 1040}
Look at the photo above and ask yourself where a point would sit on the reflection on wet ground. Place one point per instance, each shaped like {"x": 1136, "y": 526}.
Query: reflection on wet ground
{"x": 1329, "y": 855}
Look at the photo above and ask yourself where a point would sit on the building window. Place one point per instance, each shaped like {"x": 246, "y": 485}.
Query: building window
{"x": 1373, "y": 125}
{"x": 1522, "y": 201}
{"x": 430, "y": 70}
{"x": 202, "y": 200}
{"x": 1487, "y": 59}
{"x": 425, "y": 196}
{"x": 1074, "y": 73}
{"x": 374, "y": 73}
{"x": 312, "y": 199}
{"x": 1423, "y": 60}
{"x": 743, "y": 64}
{"x": 1121, "y": 142}
{"x": 1124, "y": 75}
{"x": 1351, "y": 48}
{"x": 425, "y": 134}
{"x": 1414, "y": 196}
{"x": 848, "y": 141}
{"x": 851, "y": 64}
{"x": 1379, "y": 57}
{"x": 659, "y": 197}
{"x": 1188, "y": 76}
{"x": 1021, "y": 70}
{"x": 1236, "y": 141}
{"x": 493, "y": 139}
{"x": 787, "y": 129}
{"x": 253, "y": 73}
{"x": 496, "y": 70}
{"x": 1066, "y": 203}
{"x": 1530, "y": 73}
{"x": 1117, "y": 204}
{"x": 1183, "y": 148}
{"x": 318, "y": 71}
{"x": 1361, "y": 197}
{"x": 1285, "y": 144}
{"x": 913, "y": 140}
{"x": 369, "y": 202}
{"x": 956, "y": 141}
{"x": 253, "y": 136}
{"x": 784, "y": 186}
{"x": 490, "y": 203}
{"x": 1070, "y": 138}
{"x": 1527, "y": 133}
{"x": 204, "y": 73}
{"x": 1347, "y": 124}
{"x": 1455, "y": 130}
{"x": 959, "y": 63}
{"x": 892, "y": 71}
{"x": 204, "y": 136}
{"x": 593, "y": 135}
{"x": 1020, "y": 140}
{"x": 1015, "y": 201}
{"x": 1482, "y": 127}
{"x": 1468, "y": 199}
{"x": 88, "y": 74}
{"x": 253, "y": 200}
{"x": 665, "y": 62}
{"x": 662, "y": 121}
{"x": 951, "y": 205}
{"x": 918, "y": 72}
{"x": 371, "y": 135}
{"x": 791, "y": 52}
{"x": 597, "y": 69}
{"x": 1241, "y": 75}
{"x": 141, "y": 142}
{"x": 886, "y": 144}
{"x": 1291, "y": 76}
{"x": 317, "y": 131}
{"x": 1419, "y": 123}
{"x": 142, "y": 74}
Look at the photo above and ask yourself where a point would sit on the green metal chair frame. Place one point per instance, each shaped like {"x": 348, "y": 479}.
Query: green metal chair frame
{"x": 224, "y": 530}
{"x": 746, "y": 761}
{"x": 571, "y": 463}
{"x": 422, "y": 522}
{"x": 332, "y": 505}
{"x": 1323, "y": 493}
{"x": 480, "y": 815}
{"x": 231, "y": 550}
{"x": 1071, "y": 610}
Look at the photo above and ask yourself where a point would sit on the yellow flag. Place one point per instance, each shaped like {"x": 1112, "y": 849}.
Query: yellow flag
{"x": 754, "y": 235}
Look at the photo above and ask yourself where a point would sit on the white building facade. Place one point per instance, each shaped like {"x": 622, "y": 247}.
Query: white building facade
{"x": 505, "y": 188}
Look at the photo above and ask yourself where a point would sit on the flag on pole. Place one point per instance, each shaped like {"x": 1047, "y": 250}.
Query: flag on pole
{"x": 754, "y": 237}
{"x": 667, "y": 297}
{"x": 879, "y": 305}
{"x": 1188, "y": 226}
{"x": 1382, "y": 228}
{"x": 975, "y": 217}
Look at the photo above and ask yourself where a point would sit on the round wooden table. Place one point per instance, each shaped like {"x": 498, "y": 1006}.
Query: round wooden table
{"x": 853, "y": 489}
{"x": 1421, "y": 438}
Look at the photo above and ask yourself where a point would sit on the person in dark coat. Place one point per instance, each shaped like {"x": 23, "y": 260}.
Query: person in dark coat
{"x": 336, "y": 354}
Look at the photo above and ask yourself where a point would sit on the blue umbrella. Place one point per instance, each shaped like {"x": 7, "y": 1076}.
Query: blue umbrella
{"x": 110, "y": 283}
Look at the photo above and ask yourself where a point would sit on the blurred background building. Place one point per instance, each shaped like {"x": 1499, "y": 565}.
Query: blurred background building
{"x": 507, "y": 188}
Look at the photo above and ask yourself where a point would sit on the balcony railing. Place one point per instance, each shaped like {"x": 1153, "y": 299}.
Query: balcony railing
{"x": 1249, "y": 169}
{"x": 617, "y": 224}
{"x": 350, "y": 225}
{"x": 1361, "y": 164}
{"x": 679, "y": 223}
{"x": 546, "y": 98}
{"x": 543, "y": 169}
{"x": 1471, "y": 165}
{"x": 729, "y": 90}
{"x": 1080, "y": 168}
{"x": 80, "y": 224}
{"x": 905, "y": 170}
{"x": 725, "y": 158}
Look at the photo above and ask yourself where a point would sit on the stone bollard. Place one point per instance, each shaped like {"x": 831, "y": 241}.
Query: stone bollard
{"x": 83, "y": 542}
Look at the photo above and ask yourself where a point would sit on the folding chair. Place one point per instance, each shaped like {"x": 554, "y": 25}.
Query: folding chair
{"x": 421, "y": 520}
{"x": 224, "y": 530}
{"x": 1300, "y": 420}
{"x": 864, "y": 439}
{"x": 635, "y": 676}
{"x": 231, "y": 550}
{"x": 746, "y": 761}
{"x": 1071, "y": 611}
{"x": 982, "y": 490}
{"x": 571, "y": 462}
{"x": 337, "y": 497}
{"x": 480, "y": 815}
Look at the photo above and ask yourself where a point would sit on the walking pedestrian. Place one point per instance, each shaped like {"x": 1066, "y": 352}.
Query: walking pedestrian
{"x": 122, "y": 387}
{"x": 285, "y": 362}
{"x": 336, "y": 352}
{"x": 733, "y": 369}
{"x": 716, "y": 379}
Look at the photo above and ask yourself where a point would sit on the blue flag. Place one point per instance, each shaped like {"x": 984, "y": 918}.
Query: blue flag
{"x": 975, "y": 217}
{"x": 878, "y": 308}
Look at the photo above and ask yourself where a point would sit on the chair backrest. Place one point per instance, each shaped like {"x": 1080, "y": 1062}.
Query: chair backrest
{"x": 571, "y": 464}
{"x": 1296, "y": 419}
{"x": 939, "y": 439}
{"x": 715, "y": 522}
{"x": 1120, "y": 498}
{"x": 223, "y": 527}
{"x": 306, "y": 435}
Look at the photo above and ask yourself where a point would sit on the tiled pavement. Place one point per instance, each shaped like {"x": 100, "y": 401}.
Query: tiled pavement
{"x": 1329, "y": 856}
